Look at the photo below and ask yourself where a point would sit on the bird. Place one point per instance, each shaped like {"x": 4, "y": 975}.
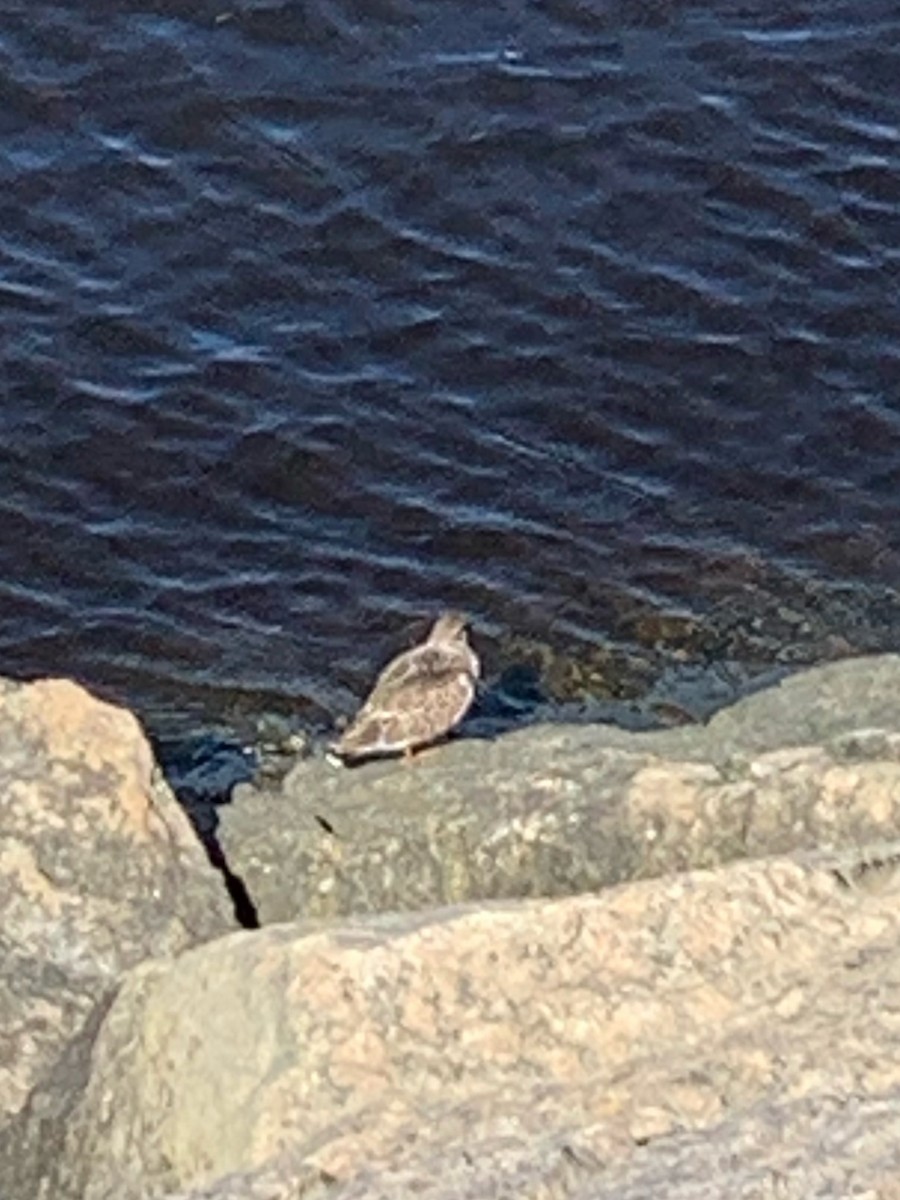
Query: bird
{"x": 418, "y": 697}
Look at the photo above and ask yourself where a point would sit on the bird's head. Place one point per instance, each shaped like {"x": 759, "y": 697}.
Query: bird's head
{"x": 448, "y": 628}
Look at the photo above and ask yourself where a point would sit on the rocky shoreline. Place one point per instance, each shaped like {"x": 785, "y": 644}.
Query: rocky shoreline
{"x": 569, "y": 962}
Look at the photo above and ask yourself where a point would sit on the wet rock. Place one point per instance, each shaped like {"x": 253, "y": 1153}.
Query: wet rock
{"x": 99, "y": 870}
{"x": 557, "y": 810}
{"x": 729, "y": 1032}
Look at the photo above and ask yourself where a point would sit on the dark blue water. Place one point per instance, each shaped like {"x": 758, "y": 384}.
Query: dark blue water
{"x": 319, "y": 317}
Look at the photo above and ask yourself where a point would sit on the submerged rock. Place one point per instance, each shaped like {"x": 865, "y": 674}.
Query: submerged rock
{"x": 556, "y": 810}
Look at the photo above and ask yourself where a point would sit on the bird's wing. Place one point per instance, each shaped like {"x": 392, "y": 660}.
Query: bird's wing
{"x": 423, "y": 664}
{"x": 417, "y": 697}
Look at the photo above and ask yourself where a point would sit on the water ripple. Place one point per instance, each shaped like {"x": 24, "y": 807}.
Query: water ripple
{"x": 318, "y": 318}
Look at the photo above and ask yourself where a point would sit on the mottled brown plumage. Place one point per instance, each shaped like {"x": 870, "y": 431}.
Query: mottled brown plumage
{"x": 418, "y": 697}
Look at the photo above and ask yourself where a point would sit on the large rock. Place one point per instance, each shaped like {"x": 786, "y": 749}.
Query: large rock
{"x": 99, "y": 870}
{"x": 561, "y": 809}
{"x": 719, "y": 1034}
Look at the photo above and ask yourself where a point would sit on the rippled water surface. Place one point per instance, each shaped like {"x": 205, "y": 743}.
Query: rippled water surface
{"x": 317, "y": 317}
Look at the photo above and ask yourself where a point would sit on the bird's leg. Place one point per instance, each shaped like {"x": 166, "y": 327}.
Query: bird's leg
{"x": 414, "y": 754}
